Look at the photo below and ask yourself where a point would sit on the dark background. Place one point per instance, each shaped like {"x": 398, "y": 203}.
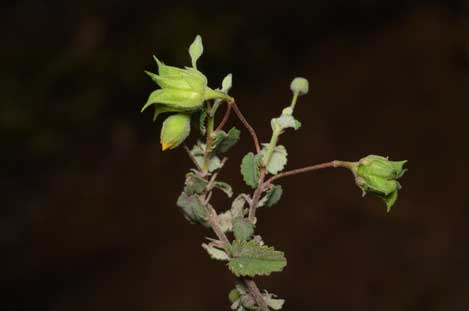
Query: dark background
{"x": 88, "y": 218}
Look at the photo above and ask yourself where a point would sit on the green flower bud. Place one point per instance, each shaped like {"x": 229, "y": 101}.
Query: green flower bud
{"x": 175, "y": 130}
{"x": 299, "y": 86}
{"x": 377, "y": 175}
{"x": 182, "y": 89}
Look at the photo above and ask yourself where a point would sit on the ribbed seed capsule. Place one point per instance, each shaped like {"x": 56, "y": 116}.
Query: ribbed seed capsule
{"x": 175, "y": 130}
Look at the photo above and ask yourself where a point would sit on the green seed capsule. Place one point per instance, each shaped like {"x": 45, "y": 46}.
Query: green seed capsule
{"x": 175, "y": 130}
{"x": 378, "y": 175}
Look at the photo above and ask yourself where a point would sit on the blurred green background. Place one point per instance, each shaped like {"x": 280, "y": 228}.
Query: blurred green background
{"x": 88, "y": 218}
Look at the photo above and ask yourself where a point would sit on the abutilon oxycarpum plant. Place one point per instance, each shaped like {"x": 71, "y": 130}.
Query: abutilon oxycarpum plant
{"x": 185, "y": 97}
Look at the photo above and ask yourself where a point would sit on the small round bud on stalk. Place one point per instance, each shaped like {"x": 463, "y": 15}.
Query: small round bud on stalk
{"x": 300, "y": 86}
{"x": 175, "y": 130}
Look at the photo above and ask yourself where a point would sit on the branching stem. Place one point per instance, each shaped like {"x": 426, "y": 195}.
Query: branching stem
{"x": 225, "y": 117}
{"x": 247, "y": 126}
{"x": 331, "y": 164}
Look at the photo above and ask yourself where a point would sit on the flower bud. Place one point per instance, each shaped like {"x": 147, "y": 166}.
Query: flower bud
{"x": 182, "y": 89}
{"x": 377, "y": 175}
{"x": 175, "y": 130}
{"x": 300, "y": 86}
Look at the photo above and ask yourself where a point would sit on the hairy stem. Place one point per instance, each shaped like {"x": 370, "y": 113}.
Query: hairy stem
{"x": 248, "y": 282}
{"x": 225, "y": 117}
{"x": 257, "y": 195}
{"x": 331, "y": 164}
{"x": 192, "y": 159}
{"x": 208, "y": 146}
{"x": 247, "y": 126}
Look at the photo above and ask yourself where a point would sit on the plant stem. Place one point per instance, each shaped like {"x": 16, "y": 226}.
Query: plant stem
{"x": 256, "y": 293}
{"x": 247, "y": 126}
{"x": 293, "y": 101}
{"x": 250, "y": 284}
{"x": 208, "y": 145}
{"x": 257, "y": 195}
{"x": 271, "y": 147}
{"x": 331, "y": 164}
{"x": 225, "y": 117}
{"x": 192, "y": 158}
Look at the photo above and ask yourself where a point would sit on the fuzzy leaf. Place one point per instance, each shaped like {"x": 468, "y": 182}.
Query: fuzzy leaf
{"x": 237, "y": 210}
{"x": 273, "y": 303}
{"x": 225, "y": 220}
{"x": 223, "y": 186}
{"x": 272, "y": 196}
{"x": 285, "y": 121}
{"x": 242, "y": 229}
{"x": 196, "y": 50}
{"x": 278, "y": 160}
{"x": 194, "y": 184}
{"x": 237, "y": 207}
{"x": 227, "y": 83}
{"x": 229, "y": 140}
{"x": 202, "y": 118}
{"x": 192, "y": 208}
{"x": 198, "y": 154}
{"x": 250, "y": 170}
{"x": 219, "y": 137}
{"x": 251, "y": 259}
{"x": 215, "y": 253}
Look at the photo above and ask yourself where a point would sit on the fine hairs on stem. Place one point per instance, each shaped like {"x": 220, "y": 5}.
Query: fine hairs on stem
{"x": 186, "y": 96}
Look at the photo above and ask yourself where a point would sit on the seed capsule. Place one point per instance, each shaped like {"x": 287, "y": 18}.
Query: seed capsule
{"x": 175, "y": 130}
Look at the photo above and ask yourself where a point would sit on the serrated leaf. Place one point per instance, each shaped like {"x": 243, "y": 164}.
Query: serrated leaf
{"x": 230, "y": 139}
{"x": 278, "y": 160}
{"x": 198, "y": 153}
{"x": 215, "y": 253}
{"x": 194, "y": 184}
{"x": 192, "y": 208}
{"x": 223, "y": 186}
{"x": 237, "y": 207}
{"x": 196, "y": 50}
{"x": 242, "y": 229}
{"x": 272, "y": 196}
{"x": 251, "y": 259}
{"x": 250, "y": 170}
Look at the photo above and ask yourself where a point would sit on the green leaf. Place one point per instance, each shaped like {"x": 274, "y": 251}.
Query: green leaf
{"x": 202, "y": 118}
{"x": 237, "y": 210}
{"x": 285, "y": 121}
{"x": 250, "y": 170}
{"x": 272, "y": 196}
{"x": 278, "y": 160}
{"x": 196, "y": 50}
{"x": 194, "y": 184}
{"x": 223, "y": 186}
{"x": 227, "y": 83}
{"x": 198, "y": 154}
{"x": 237, "y": 207}
{"x": 272, "y": 302}
{"x": 192, "y": 208}
{"x": 251, "y": 259}
{"x": 215, "y": 253}
{"x": 234, "y": 295}
{"x": 225, "y": 220}
{"x": 242, "y": 229}
{"x": 229, "y": 140}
